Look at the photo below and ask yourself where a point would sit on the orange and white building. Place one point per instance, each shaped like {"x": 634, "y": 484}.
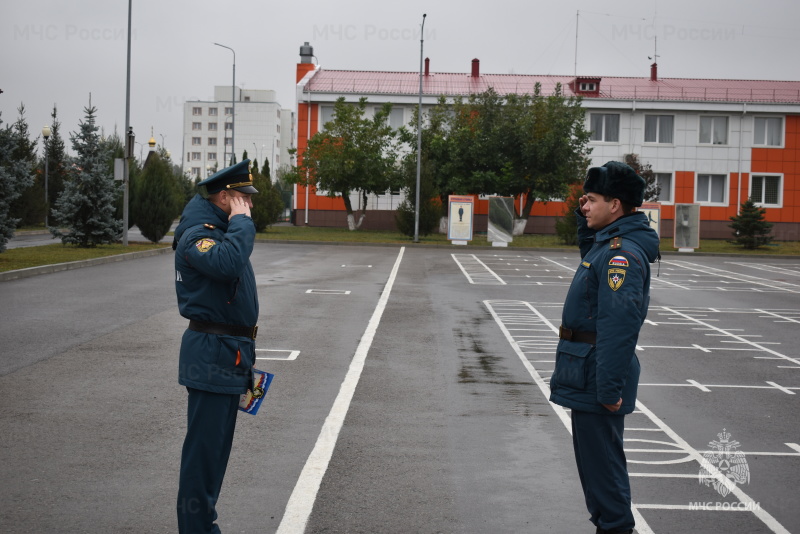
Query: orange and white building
{"x": 710, "y": 142}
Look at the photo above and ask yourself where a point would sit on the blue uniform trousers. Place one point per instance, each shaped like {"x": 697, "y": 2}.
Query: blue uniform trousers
{"x": 206, "y": 449}
{"x": 602, "y": 468}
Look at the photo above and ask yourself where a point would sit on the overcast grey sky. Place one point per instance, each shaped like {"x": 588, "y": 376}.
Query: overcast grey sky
{"x": 57, "y": 52}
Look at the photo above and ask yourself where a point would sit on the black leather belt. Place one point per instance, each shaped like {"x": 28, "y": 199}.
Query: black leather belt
{"x": 576, "y": 335}
{"x": 223, "y": 329}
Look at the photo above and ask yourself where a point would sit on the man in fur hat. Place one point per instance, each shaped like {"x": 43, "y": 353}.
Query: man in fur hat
{"x": 597, "y": 371}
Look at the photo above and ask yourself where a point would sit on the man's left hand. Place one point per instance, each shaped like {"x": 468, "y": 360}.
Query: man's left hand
{"x": 614, "y": 407}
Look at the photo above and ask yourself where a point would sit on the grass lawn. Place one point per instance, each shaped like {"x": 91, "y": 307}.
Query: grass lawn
{"x": 22, "y": 258}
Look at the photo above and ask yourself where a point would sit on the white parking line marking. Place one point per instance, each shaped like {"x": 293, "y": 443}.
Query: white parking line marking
{"x": 301, "y": 502}
{"x": 328, "y": 292}
{"x": 676, "y": 445}
{"x": 290, "y": 354}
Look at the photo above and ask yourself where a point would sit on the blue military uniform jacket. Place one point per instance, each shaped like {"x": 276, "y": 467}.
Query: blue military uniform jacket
{"x": 609, "y": 295}
{"x": 215, "y": 283}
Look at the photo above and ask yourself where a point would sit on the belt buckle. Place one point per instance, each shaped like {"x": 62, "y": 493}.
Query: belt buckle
{"x": 255, "y": 332}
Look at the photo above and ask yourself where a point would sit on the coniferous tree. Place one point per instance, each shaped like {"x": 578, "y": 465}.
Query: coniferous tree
{"x": 28, "y": 205}
{"x": 16, "y": 165}
{"x": 267, "y": 204}
{"x": 57, "y": 160}
{"x": 86, "y": 208}
{"x": 158, "y": 199}
{"x": 749, "y": 227}
{"x": 265, "y": 170}
{"x": 567, "y": 224}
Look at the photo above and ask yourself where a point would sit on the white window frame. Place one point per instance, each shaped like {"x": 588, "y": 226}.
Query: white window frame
{"x": 212, "y": 112}
{"x": 197, "y": 126}
{"x": 211, "y": 156}
{"x": 712, "y": 141}
{"x": 212, "y": 126}
{"x": 658, "y": 140}
{"x": 197, "y": 141}
{"x": 671, "y": 187}
{"x": 197, "y": 156}
{"x": 588, "y": 87}
{"x": 756, "y": 129}
{"x": 725, "y": 189}
{"x": 603, "y": 134}
{"x": 197, "y": 112}
{"x": 229, "y": 111}
{"x": 212, "y": 141}
{"x": 196, "y": 171}
{"x": 759, "y": 202}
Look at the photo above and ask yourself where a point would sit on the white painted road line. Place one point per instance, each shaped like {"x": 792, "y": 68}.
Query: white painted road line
{"x": 288, "y": 355}
{"x": 301, "y": 502}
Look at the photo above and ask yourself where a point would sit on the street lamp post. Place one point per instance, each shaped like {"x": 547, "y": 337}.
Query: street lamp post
{"x": 233, "y": 103}
{"x": 46, "y": 135}
{"x": 419, "y": 132}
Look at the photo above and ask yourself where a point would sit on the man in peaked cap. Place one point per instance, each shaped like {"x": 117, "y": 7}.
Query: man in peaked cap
{"x": 216, "y": 291}
{"x": 597, "y": 371}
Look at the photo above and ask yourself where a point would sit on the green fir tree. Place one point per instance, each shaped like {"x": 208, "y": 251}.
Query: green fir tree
{"x": 158, "y": 199}
{"x": 16, "y": 173}
{"x": 267, "y": 204}
{"x": 749, "y": 227}
{"x": 84, "y": 214}
{"x": 28, "y": 206}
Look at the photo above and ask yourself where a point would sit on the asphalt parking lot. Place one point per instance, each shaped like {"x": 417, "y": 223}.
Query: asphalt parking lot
{"x": 410, "y": 396}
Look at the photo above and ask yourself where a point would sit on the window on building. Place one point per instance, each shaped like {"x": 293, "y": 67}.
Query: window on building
{"x": 768, "y": 131}
{"x": 605, "y": 127}
{"x": 195, "y": 171}
{"x": 228, "y": 126}
{"x": 212, "y": 141}
{"x": 664, "y": 181}
{"x": 212, "y": 112}
{"x": 196, "y": 141}
{"x": 197, "y": 111}
{"x": 211, "y": 156}
{"x": 196, "y": 156}
{"x": 714, "y": 130}
{"x": 229, "y": 111}
{"x": 327, "y": 114}
{"x": 247, "y": 99}
{"x": 212, "y": 126}
{"x": 228, "y": 141}
{"x": 279, "y": 128}
{"x": 658, "y": 128}
{"x": 197, "y": 126}
{"x": 711, "y": 188}
{"x": 588, "y": 87}
{"x": 767, "y": 190}
{"x": 278, "y": 143}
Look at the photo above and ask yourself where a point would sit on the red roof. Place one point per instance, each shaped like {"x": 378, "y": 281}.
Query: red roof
{"x": 611, "y": 87}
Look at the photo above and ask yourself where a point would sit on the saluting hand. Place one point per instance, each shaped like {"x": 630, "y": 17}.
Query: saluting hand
{"x": 239, "y": 206}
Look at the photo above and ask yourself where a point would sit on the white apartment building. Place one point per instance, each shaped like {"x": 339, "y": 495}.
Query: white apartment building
{"x": 210, "y": 134}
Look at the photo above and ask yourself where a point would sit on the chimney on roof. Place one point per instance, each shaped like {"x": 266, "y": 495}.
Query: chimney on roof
{"x": 306, "y": 53}
{"x": 654, "y": 72}
{"x": 476, "y": 68}
{"x": 427, "y": 66}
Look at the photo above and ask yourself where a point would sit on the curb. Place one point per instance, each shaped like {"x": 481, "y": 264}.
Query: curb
{"x": 57, "y": 267}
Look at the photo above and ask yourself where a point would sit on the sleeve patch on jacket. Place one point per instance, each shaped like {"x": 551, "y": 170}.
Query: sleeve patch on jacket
{"x": 619, "y": 261}
{"x": 204, "y": 245}
{"x": 615, "y": 278}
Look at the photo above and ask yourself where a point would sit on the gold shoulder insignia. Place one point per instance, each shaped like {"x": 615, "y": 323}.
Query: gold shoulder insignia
{"x": 616, "y": 243}
{"x": 209, "y": 226}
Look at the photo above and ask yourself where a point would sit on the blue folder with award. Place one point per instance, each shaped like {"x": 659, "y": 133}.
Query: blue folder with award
{"x": 251, "y": 401}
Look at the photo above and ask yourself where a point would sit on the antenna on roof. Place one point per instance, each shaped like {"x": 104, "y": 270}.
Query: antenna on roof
{"x": 577, "y": 13}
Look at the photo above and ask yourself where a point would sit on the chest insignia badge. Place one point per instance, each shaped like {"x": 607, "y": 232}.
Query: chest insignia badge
{"x": 209, "y": 226}
{"x": 615, "y": 278}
